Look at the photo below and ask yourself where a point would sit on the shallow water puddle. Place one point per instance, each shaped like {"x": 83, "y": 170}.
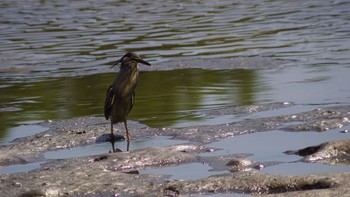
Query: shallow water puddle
{"x": 24, "y": 129}
{"x": 20, "y": 168}
{"x": 102, "y": 148}
{"x": 301, "y": 168}
{"x": 264, "y": 147}
{"x": 157, "y": 141}
{"x": 271, "y": 145}
{"x": 80, "y": 151}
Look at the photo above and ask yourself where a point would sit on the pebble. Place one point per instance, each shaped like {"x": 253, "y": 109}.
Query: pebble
{"x": 259, "y": 166}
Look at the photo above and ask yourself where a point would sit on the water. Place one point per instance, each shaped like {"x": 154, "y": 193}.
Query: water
{"x": 22, "y": 130}
{"x": 104, "y": 148}
{"x": 266, "y": 147}
{"x": 56, "y": 57}
{"x": 55, "y": 37}
{"x": 20, "y": 168}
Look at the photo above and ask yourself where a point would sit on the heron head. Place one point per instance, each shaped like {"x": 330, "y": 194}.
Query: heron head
{"x": 131, "y": 57}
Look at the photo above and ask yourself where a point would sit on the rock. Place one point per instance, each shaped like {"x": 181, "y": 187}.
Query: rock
{"x": 239, "y": 164}
{"x": 332, "y": 153}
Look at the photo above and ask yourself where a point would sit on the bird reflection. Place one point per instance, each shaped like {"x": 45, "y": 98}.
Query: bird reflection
{"x": 117, "y": 138}
{"x": 113, "y": 140}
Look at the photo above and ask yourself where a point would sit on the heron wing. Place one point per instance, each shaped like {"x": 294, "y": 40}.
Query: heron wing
{"x": 132, "y": 100}
{"x": 109, "y": 102}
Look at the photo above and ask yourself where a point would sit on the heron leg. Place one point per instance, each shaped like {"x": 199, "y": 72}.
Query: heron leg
{"x": 127, "y": 145}
{"x": 111, "y": 128}
{"x": 127, "y": 131}
{"x": 112, "y": 138}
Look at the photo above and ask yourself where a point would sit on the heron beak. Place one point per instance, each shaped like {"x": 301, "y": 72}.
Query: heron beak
{"x": 143, "y": 62}
{"x": 118, "y": 61}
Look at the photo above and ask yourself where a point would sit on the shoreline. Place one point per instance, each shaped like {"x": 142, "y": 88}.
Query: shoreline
{"x": 83, "y": 175}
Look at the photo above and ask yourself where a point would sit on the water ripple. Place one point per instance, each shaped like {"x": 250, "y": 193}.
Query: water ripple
{"x": 67, "y": 36}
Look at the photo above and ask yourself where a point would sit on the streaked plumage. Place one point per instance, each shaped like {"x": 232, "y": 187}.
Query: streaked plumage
{"x": 120, "y": 95}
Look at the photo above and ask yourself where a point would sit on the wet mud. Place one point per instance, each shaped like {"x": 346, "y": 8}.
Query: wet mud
{"x": 118, "y": 172}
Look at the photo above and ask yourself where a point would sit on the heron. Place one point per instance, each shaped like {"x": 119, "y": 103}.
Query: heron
{"x": 120, "y": 95}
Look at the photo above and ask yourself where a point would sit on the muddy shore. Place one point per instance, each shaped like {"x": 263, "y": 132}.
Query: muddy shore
{"x": 117, "y": 174}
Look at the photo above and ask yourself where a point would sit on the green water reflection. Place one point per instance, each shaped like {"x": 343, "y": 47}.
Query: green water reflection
{"x": 168, "y": 97}
{"x": 163, "y": 98}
